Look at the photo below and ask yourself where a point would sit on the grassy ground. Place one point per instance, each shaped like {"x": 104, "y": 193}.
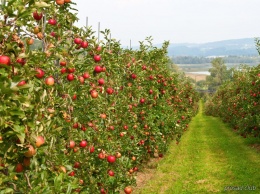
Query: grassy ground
{"x": 210, "y": 158}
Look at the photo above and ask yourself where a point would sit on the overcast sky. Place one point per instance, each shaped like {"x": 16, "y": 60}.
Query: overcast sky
{"x": 179, "y": 21}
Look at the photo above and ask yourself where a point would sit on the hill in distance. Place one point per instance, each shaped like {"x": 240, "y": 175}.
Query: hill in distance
{"x": 235, "y": 47}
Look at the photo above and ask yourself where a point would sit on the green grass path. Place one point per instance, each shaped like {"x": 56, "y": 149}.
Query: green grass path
{"x": 209, "y": 158}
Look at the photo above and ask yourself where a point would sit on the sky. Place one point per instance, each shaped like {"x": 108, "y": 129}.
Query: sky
{"x": 177, "y": 21}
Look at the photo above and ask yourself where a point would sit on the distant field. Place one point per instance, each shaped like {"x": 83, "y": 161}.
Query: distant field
{"x": 204, "y": 66}
{"x": 195, "y": 76}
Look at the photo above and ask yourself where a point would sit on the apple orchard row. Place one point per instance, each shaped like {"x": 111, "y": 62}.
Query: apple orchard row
{"x": 78, "y": 115}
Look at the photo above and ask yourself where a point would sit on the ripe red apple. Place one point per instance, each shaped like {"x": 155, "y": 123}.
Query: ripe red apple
{"x": 71, "y": 70}
{"x": 53, "y": 34}
{"x": 83, "y": 143}
{"x": 63, "y": 70}
{"x": 30, "y": 152}
{"x": 91, "y": 149}
{"x": 94, "y": 94}
{"x": 128, "y": 190}
{"x": 76, "y": 165}
{"x": 111, "y": 159}
{"x": 84, "y": 44}
{"x": 22, "y": 61}
{"x": 81, "y": 79}
{"x": 40, "y": 73}
{"x": 37, "y": 16}
{"x": 72, "y": 173}
{"x": 101, "y": 155}
{"x": 63, "y": 63}
{"x": 142, "y": 100}
{"x": 101, "y": 81}
{"x": 72, "y": 144}
{"x": 99, "y": 48}
{"x": 103, "y": 191}
{"x": 98, "y": 69}
{"x": 70, "y": 77}
{"x": 77, "y": 40}
{"x": 19, "y": 168}
{"x": 110, "y": 91}
{"x": 111, "y": 128}
{"x": 49, "y": 81}
{"x": 86, "y": 75}
{"x": 26, "y": 161}
{"x": 52, "y": 22}
{"x": 74, "y": 97}
{"x": 39, "y": 141}
{"x": 97, "y": 58}
{"x": 111, "y": 173}
{"x": 143, "y": 67}
{"x": 150, "y": 91}
{"x": 75, "y": 125}
{"x": 5, "y": 60}
{"x": 134, "y": 76}
{"x": 21, "y": 83}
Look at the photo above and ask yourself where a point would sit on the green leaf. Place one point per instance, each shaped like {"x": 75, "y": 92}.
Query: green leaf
{"x": 41, "y": 4}
{"x": 17, "y": 113}
{"x": 8, "y": 190}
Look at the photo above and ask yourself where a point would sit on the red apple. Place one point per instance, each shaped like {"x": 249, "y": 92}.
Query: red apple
{"x": 37, "y": 16}
{"x": 72, "y": 144}
{"x": 40, "y": 73}
{"x": 81, "y": 79}
{"x": 91, "y": 149}
{"x": 22, "y": 61}
{"x": 110, "y": 91}
{"x": 111, "y": 159}
{"x": 53, "y": 34}
{"x": 99, "y": 48}
{"x": 39, "y": 141}
{"x": 19, "y": 168}
{"x": 111, "y": 173}
{"x": 128, "y": 190}
{"x": 21, "y": 83}
{"x": 76, "y": 165}
{"x": 133, "y": 76}
{"x": 83, "y": 143}
{"x": 52, "y": 22}
{"x": 98, "y": 69}
{"x": 63, "y": 63}
{"x": 101, "y": 155}
{"x": 86, "y": 75}
{"x": 142, "y": 100}
{"x": 97, "y": 58}
{"x": 71, "y": 70}
{"x": 63, "y": 70}
{"x": 72, "y": 173}
{"x": 77, "y": 40}
{"x": 84, "y": 44}
{"x": 30, "y": 152}
{"x": 26, "y": 161}
{"x": 75, "y": 125}
{"x": 74, "y": 97}
{"x": 70, "y": 77}
{"x": 101, "y": 81}
{"x": 49, "y": 81}
{"x": 5, "y": 60}
{"x": 94, "y": 94}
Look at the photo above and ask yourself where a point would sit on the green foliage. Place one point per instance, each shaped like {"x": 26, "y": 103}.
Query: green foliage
{"x": 66, "y": 110}
{"x": 218, "y": 74}
{"x": 237, "y": 101}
